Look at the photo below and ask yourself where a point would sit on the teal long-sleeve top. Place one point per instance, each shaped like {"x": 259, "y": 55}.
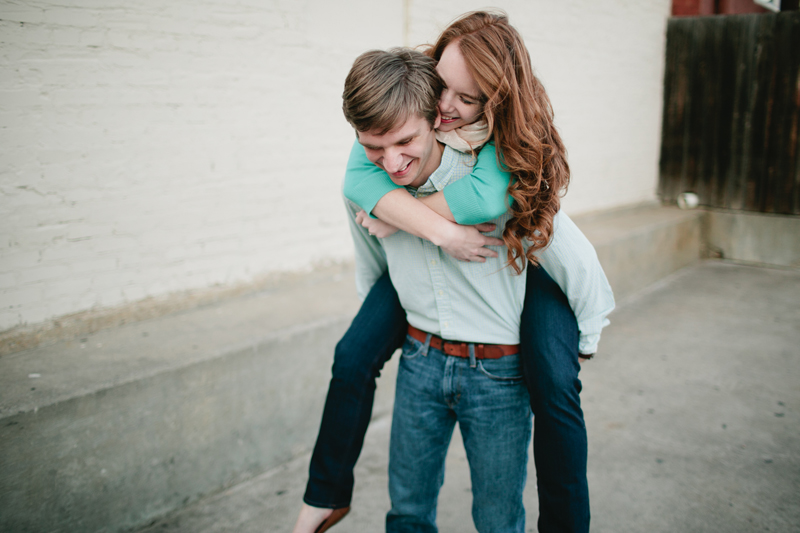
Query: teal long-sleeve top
{"x": 480, "y": 197}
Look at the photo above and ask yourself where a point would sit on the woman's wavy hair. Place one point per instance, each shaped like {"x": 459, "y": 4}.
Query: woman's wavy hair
{"x": 520, "y": 117}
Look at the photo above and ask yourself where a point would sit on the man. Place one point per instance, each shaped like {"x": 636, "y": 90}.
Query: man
{"x": 460, "y": 361}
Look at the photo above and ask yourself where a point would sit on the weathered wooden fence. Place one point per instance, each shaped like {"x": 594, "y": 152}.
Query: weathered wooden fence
{"x": 732, "y": 112}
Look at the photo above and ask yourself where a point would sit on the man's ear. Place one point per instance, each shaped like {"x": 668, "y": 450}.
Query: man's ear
{"x": 438, "y": 120}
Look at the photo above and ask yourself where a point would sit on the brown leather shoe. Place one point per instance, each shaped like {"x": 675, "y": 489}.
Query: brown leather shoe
{"x": 333, "y": 519}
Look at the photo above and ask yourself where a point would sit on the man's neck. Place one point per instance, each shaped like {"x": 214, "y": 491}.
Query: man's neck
{"x": 433, "y": 163}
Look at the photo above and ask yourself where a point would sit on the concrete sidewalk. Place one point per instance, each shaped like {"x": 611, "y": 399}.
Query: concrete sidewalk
{"x": 692, "y": 407}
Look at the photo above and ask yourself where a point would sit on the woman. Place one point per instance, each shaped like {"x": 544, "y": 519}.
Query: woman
{"x": 490, "y": 91}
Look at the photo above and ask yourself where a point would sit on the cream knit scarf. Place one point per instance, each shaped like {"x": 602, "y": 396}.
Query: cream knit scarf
{"x": 466, "y": 138}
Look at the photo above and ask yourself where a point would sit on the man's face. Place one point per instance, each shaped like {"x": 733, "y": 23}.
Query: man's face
{"x": 407, "y": 153}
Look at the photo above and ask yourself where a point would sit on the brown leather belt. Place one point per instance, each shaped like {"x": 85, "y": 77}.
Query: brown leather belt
{"x": 461, "y": 349}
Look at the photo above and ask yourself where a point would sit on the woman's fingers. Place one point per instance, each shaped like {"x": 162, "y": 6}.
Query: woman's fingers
{"x": 486, "y": 226}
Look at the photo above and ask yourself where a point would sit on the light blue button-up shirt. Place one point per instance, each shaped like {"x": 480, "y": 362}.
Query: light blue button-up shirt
{"x": 479, "y": 302}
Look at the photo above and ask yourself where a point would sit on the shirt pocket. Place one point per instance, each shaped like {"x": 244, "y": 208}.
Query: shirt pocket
{"x": 412, "y": 348}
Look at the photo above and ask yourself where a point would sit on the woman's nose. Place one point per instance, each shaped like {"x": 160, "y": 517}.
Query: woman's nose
{"x": 446, "y": 101}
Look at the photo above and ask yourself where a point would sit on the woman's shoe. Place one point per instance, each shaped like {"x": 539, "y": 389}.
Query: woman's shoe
{"x": 333, "y": 519}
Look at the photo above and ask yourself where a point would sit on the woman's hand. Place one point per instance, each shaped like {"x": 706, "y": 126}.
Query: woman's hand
{"x": 468, "y": 243}
{"x": 376, "y": 227}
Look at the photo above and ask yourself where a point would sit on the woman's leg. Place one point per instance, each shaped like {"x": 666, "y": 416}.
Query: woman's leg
{"x": 376, "y": 332}
{"x": 549, "y": 347}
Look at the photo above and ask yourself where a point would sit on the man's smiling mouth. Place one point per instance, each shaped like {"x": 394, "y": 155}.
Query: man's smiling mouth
{"x": 403, "y": 170}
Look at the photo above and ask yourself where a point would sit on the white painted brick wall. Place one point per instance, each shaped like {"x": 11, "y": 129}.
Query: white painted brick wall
{"x": 152, "y": 147}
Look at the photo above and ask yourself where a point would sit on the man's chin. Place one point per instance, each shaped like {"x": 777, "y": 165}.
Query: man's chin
{"x": 405, "y": 181}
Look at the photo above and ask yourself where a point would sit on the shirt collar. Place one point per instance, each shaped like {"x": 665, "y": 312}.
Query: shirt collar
{"x": 444, "y": 174}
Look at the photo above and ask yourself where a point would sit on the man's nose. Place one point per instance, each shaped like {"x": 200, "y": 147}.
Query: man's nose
{"x": 392, "y": 160}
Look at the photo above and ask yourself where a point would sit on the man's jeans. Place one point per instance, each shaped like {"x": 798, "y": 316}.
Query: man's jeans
{"x": 490, "y": 403}
{"x": 549, "y": 351}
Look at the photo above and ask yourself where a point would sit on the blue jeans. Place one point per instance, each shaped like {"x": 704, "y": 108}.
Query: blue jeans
{"x": 489, "y": 401}
{"x": 549, "y": 352}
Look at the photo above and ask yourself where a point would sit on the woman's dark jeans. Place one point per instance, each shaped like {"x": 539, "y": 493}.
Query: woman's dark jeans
{"x": 549, "y": 349}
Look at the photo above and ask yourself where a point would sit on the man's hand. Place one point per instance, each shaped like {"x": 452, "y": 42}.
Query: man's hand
{"x": 468, "y": 243}
{"x": 376, "y": 227}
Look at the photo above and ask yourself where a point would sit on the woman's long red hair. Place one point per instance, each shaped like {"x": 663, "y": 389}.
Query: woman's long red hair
{"x": 520, "y": 117}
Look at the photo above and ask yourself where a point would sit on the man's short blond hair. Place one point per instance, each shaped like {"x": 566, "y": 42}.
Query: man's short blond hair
{"x": 385, "y": 88}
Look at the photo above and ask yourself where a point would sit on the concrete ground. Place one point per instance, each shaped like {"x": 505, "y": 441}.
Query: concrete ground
{"x": 693, "y": 413}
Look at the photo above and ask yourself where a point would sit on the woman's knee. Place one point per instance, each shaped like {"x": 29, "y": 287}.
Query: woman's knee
{"x": 355, "y": 362}
{"x": 554, "y": 387}
{"x": 551, "y": 375}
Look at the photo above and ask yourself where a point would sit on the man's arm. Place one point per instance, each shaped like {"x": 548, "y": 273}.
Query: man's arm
{"x": 572, "y": 262}
{"x": 370, "y": 256}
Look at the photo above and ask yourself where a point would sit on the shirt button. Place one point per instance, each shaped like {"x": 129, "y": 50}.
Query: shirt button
{"x": 441, "y": 293}
{"x": 433, "y": 262}
{"x": 447, "y": 324}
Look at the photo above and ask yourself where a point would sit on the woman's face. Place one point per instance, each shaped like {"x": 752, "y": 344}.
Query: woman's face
{"x": 460, "y": 103}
